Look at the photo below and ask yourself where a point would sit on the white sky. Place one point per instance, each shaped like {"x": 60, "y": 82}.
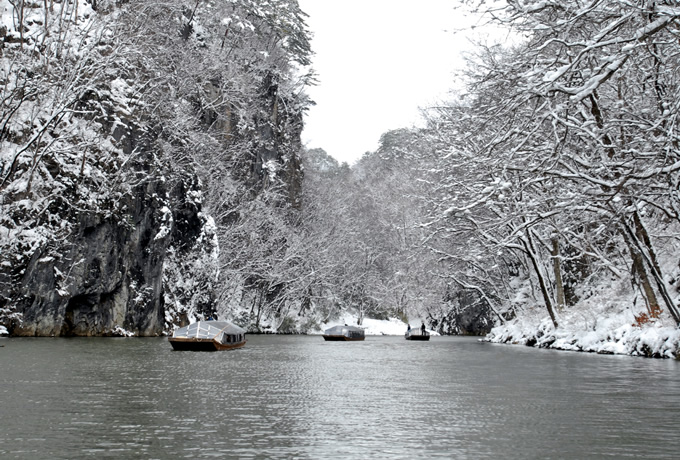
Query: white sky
{"x": 377, "y": 62}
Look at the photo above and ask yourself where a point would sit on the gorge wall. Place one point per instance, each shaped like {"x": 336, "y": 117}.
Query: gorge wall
{"x": 120, "y": 137}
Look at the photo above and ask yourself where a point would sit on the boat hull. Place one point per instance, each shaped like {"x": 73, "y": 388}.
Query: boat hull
{"x": 184, "y": 344}
{"x": 341, "y": 338}
{"x": 422, "y": 338}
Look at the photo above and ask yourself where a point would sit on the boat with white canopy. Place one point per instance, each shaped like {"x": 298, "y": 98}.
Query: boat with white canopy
{"x": 208, "y": 336}
{"x": 344, "y": 333}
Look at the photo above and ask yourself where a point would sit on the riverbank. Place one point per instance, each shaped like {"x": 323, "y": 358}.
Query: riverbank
{"x": 592, "y": 331}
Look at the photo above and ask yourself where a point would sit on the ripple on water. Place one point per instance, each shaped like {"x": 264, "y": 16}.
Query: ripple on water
{"x": 301, "y": 397}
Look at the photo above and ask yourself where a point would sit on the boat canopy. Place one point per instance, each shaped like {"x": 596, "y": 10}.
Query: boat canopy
{"x": 208, "y": 330}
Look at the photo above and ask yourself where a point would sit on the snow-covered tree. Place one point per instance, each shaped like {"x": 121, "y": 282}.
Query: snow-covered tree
{"x": 572, "y": 136}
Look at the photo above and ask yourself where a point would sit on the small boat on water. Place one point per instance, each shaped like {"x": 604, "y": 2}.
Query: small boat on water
{"x": 208, "y": 336}
{"x": 417, "y": 334}
{"x": 344, "y": 333}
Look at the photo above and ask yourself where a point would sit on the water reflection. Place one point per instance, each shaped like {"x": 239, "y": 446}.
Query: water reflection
{"x": 301, "y": 397}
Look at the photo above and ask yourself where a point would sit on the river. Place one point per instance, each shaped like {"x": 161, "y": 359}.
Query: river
{"x": 301, "y": 397}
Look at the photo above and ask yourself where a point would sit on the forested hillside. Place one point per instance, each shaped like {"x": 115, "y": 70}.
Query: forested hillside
{"x": 561, "y": 173}
{"x": 543, "y": 198}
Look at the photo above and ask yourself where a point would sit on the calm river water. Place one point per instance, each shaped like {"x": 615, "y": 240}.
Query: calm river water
{"x": 301, "y": 397}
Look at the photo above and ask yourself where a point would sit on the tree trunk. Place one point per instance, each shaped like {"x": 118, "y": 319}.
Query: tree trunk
{"x": 639, "y": 269}
{"x": 259, "y": 308}
{"x": 47, "y": 29}
{"x": 557, "y": 270}
{"x": 21, "y": 25}
{"x": 649, "y": 254}
{"x": 529, "y": 246}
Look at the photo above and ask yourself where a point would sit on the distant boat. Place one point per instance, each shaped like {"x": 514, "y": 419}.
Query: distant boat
{"x": 417, "y": 334}
{"x": 208, "y": 336}
{"x": 344, "y": 333}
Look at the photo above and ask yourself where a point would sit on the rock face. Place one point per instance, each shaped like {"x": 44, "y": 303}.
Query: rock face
{"x": 105, "y": 276}
{"x": 467, "y": 316}
{"x": 101, "y": 223}
{"x": 108, "y": 280}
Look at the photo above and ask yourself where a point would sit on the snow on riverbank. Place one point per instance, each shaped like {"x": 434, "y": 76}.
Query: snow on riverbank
{"x": 602, "y": 322}
{"x": 612, "y": 333}
{"x": 391, "y": 326}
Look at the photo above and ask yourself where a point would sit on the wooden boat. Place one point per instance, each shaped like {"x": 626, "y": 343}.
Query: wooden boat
{"x": 344, "y": 334}
{"x": 208, "y": 336}
{"x": 417, "y": 334}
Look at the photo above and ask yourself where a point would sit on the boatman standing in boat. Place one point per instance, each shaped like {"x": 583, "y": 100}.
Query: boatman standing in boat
{"x": 422, "y": 328}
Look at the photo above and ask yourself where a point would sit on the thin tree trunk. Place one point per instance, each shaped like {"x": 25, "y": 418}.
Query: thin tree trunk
{"x": 529, "y": 246}
{"x": 47, "y": 29}
{"x": 259, "y": 308}
{"x": 21, "y": 25}
{"x": 641, "y": 271}
{"x": 642, "y": 236}
{"x": 60, "y": 41}
{"x": 82, "y": 163}
{"x": 557, "y": 270}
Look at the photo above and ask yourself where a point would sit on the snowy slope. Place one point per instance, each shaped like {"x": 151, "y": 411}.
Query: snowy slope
{"x": 604, "y": 323}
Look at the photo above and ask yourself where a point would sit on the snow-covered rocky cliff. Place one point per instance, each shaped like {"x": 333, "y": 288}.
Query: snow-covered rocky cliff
{"x": 123, "y": 127}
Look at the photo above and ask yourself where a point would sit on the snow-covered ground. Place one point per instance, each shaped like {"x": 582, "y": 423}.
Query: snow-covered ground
{"x": 604, "y": 321}
{"x": 610, "y": 333}
{"x": 391, "y": 326}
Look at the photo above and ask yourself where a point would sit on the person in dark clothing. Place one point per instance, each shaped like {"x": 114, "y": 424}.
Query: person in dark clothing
{"x": 422, "y": 328}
